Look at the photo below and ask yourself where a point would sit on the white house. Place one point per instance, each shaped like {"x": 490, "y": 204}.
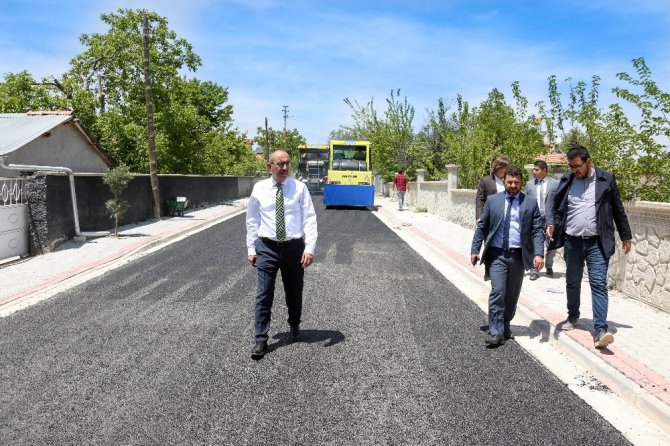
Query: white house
{"x": 49, "y": 138}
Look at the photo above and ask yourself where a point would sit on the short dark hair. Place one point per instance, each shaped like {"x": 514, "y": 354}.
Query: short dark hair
{"x": 542, "y": 164}
{"x": 401, "y": 171}
{"x": 513, "y": 172}
{"x": 578, "y": 151}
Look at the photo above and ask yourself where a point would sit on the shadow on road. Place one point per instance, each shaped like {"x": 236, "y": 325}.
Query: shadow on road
{"x": 308, "y": 336}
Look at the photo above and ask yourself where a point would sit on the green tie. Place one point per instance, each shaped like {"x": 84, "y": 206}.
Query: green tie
{"x": 279, "y": 214}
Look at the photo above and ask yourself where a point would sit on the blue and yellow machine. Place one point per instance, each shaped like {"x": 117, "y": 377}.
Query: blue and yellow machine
{"x": 349, "y": 180}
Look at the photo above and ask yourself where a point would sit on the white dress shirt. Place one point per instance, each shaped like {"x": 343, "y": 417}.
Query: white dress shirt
{"x": 500, "y": 185}
{"x": 541, "y": 194}
{"x": 299, "y": 214}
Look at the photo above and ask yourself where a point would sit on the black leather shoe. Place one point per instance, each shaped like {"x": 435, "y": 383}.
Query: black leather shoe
{"x": 534, "y": 275}
{"x": 487, "y": 277}
{"x": 494, "y": 341}
{"x": 550, "y": 272}
{"x": 259, "y": 350}
{"x": 508, "y": 335}
{"x": 294, "y": 336}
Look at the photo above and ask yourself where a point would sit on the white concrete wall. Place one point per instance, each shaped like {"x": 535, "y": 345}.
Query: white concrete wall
{"x": 642, "y": 274}
{"x": 64, "y": 146}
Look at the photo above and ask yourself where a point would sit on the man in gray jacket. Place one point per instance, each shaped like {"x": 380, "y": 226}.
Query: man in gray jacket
{"x": 542, "y": 189}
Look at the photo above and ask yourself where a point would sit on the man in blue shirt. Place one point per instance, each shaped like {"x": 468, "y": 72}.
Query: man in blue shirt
{"x": 511, "y": 230}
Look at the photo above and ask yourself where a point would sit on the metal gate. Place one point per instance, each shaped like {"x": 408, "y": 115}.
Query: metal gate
{"x": 14, "y": 235}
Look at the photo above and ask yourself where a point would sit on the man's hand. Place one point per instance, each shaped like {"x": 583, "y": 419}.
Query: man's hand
{"x": 474, "y": 258}
{"x": 306, "y": 260}
{"x": 626, "y": 246}
{"x": 550, "y": 232}
{"x": 538, "y": 263}
{"x": 252, "y": 260}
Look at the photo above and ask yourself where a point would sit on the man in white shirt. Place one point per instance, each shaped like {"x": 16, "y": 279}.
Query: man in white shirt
{"x": 542, "y": 189}
{"x": 281, "y": 236}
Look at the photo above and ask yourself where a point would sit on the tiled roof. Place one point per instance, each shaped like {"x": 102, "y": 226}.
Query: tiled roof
{"x": 553, "y": 156}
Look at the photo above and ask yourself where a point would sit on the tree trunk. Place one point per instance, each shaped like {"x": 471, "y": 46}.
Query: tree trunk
{"x": 153, "y": 165}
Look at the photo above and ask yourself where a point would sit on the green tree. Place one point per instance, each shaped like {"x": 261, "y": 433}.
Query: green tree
{"x": 653, "y": 132}
{"x": 192, "y": 118}
{"x": 20, "y": 93}
{"x": 476, "y": 136}
{"x": 635, "y": 153}
{"x": 433, "y": 135}
{"x": 288, "y": 140}
{"x": 117, "y": 179}
{"x": 391, "y": 135}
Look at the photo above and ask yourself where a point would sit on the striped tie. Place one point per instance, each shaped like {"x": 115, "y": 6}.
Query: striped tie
{"x": 279, "y": 214}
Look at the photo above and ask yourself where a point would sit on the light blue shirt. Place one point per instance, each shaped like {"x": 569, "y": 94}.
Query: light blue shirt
{"x": 514, "y": 226}
{"x": 581, "y": 217}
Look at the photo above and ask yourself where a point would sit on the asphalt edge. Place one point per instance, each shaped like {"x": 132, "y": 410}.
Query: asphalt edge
{"x": 631, "y": 392}
{"x": 123, "y": 256}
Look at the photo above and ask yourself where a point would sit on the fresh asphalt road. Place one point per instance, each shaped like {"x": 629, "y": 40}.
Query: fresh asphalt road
{"x": 157, "y": 352}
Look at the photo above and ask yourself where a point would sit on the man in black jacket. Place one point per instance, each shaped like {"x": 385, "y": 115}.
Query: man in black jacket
{"x": 586, "y": 207}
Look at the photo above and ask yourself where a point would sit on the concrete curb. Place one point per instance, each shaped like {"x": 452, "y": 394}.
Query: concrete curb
{"x": 474, "y": 288}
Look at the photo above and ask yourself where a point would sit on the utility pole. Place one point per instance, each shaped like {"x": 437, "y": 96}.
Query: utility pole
{"x": 285, "y": 113}
{"x": 267, "y": 141}
{"x": 151, "y": 138}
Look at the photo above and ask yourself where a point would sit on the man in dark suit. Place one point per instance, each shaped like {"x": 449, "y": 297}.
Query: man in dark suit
{"x": 488, "y": 185}
{"x": 585, "y": 209}
{"x": 542, "y": 189}
{"x": 512, "y": 232}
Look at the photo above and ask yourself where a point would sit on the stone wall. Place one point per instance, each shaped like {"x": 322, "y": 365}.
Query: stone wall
{"x": 642, "y": 274}
{"x": 52, "y": 216}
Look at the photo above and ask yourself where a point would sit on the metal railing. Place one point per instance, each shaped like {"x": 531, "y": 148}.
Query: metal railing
{"x": 12, "y": 191}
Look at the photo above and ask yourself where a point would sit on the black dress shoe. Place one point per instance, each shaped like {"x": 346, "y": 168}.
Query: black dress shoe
{"x": 294, "y": 336}
{"x": 260, "y": 349}
{"x": 550, "y": 272}
{"x": 494, "y": 340}
{"x": 487, "y": 277}
{"x": 508, "y": 335}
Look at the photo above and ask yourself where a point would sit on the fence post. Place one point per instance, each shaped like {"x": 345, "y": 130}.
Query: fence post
{"x": 452, "y": 183}
{"x": 420, "y": 178}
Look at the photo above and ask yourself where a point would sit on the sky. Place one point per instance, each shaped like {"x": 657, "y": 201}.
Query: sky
{"x": 310, "y": 55}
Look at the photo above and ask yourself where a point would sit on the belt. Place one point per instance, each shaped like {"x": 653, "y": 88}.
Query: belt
{"x": 512, "y": 250}
{"x": 584, "y": 237}
{"x": 280, "y": 244}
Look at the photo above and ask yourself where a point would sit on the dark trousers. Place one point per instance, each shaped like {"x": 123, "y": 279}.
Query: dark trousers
{"x": 506, "y": 279}
{"x": 270, "y": 258}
